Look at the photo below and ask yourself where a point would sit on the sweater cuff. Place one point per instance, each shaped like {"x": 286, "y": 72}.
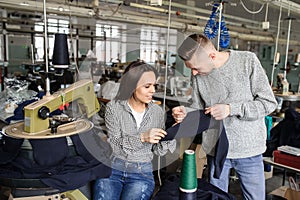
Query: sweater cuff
{"x": 172, "y": 145}
{"x": 234, "y": 109}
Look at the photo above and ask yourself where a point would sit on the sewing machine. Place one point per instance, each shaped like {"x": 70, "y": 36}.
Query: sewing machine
{"x": 179, "y": 85}
{"x": 38, "y": 122}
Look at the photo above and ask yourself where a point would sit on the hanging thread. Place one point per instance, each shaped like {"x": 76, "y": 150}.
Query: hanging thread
{"x": 188, "y": 179}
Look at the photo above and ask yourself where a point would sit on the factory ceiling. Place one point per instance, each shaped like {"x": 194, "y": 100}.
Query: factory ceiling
{"x": 245, "y": 19}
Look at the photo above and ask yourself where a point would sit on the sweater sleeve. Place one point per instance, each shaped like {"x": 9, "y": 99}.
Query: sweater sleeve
{"x": 196, "y": 97}
{"x": 162, "y": 148}
{"x": 263, "y": 102}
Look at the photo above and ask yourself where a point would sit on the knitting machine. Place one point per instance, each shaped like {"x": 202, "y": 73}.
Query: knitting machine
{"x": 39, "y": 123}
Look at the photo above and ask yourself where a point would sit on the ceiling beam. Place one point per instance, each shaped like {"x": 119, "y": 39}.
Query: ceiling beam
{"x": 150, "y": 19}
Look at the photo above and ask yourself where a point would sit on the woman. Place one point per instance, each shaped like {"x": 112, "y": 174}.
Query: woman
{"x": 135, "y": 127}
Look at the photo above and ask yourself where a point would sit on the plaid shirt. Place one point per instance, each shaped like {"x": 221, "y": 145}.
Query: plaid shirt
{"x": 124, "y": 137}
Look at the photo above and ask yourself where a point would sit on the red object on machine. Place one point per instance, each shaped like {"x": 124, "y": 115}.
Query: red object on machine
{"x": 286, "y": 159}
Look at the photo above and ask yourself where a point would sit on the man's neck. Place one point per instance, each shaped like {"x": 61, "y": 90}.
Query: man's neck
{"x": 222, "y": 58}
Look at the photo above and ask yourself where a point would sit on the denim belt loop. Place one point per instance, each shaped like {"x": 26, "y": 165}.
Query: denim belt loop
{"x": 126, "y": 164}
{"x": 112, "y": 158}
{"x": 139, "y": 166}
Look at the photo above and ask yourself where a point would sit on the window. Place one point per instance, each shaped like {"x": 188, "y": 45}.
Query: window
{"x": 54, "y": 26}
{"x": 110, "y": 48}
{"x": 2, "y": 47}
{"x": 153, "y": 44}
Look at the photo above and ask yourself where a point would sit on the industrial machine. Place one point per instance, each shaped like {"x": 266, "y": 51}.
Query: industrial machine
{"x": 40, "y": 124}
{"x": 179, "y": 85}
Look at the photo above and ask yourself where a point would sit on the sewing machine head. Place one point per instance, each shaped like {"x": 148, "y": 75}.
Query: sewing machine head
{"x": 37, "y": 123}
{"x": 179, "y": 85}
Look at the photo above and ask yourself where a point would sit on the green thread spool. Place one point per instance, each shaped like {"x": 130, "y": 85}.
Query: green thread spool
{"x": 188, "y": 179}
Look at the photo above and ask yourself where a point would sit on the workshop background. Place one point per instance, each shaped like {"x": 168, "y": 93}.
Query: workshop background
{"x": 122, "y": 31}
{"x": 103, "y": 36}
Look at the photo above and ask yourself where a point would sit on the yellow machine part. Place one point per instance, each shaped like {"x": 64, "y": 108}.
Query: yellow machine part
{"x": 69, "y": 195}
{"x": 74, "y": 195}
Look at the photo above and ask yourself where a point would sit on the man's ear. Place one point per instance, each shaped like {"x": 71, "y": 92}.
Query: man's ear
{"x": 212, "y": 55}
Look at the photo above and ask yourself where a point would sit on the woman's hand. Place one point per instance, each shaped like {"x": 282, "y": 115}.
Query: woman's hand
{"x": 153, "y": 135}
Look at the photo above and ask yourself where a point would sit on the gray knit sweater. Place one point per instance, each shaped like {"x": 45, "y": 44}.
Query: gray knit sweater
{"x": 124, "y": 136}
{"x": 242, "y": 83}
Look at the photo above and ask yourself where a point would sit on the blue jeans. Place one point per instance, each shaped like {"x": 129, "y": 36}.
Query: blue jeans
{"x": 128, "y": 181}
{"x": 250, "y": 172}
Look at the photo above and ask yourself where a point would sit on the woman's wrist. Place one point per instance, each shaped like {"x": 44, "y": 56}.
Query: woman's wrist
{"x": 142, "y": 137}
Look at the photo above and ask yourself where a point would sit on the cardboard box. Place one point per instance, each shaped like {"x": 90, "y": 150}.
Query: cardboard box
{"x": 279, "y": 191}
{"x": 201, "y": 160}
{"x": 286, "y": 159}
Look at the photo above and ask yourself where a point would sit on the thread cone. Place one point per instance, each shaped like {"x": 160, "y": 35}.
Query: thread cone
{"x": 188, "y": 179}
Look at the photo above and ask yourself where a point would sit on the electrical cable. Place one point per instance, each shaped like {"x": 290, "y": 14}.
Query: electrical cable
{"x": 46, "y": 50}
{"x": 220, "y": 8}
{"x": 72, "y": 45}
{"x": 287, "y": 44}
{"x": 116, "y": 10}
{"x": 252, "y": 12}
{"x": 166, "y": 78}
{"x": 267, "y": 9}
{"x": 167, "y": 49}
{"x": 276, "y": 46}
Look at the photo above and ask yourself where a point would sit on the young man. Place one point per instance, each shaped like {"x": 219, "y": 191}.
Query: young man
{"x": 233, "y": 88}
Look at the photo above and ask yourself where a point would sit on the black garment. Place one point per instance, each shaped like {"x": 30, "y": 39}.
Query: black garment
{"x": 206, "y": 191}
{"x": 9, "y": 149}
{"x": 286, "y": 132}
{"x": 52, "y": 162}
{"x": 188, "y": 127}
{"x": 194, "y": 124}
{"x": 49, "y": 152}
{"x": 19, "y": 111}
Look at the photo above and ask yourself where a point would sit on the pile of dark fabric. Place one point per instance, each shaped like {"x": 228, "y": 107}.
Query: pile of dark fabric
{"x": 286, "y": 132}
{"x": 170, "y": 190}
{"x": 53, "y": 162}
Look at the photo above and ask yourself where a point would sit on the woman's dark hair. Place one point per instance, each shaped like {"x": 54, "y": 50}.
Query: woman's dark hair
{"x": 131, "y": 77}
{"x": 190, "y": 45}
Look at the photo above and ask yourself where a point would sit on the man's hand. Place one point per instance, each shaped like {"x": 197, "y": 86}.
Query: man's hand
{"x": 218, "y": 111}
{"x": 153, "y": 135}
{"x": 179, "y": 113}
